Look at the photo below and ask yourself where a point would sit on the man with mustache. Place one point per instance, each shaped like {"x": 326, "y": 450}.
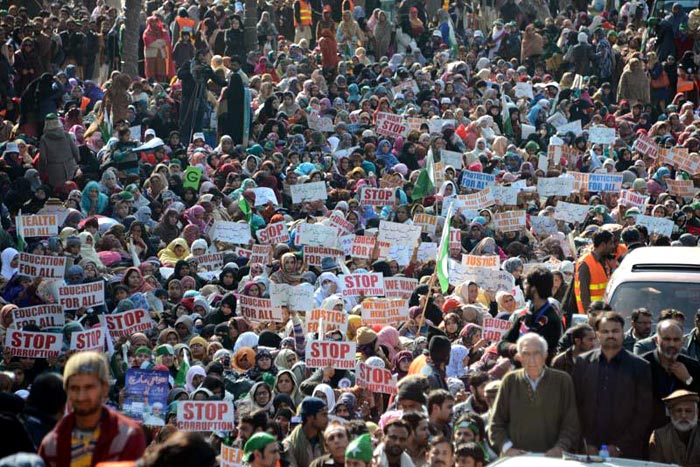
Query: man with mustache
{"x": 678, "y": 442}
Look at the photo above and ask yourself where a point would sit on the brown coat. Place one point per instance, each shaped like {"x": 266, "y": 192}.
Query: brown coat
{"x": 666, "y": 446}
{"x": 58, "y": 158}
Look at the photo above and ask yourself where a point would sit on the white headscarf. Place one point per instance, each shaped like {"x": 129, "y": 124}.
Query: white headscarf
{"x": 8, "y": 254}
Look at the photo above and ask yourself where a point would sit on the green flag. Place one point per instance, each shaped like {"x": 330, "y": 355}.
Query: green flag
{"x": 426, "y": 179}
{"x": 443, "y": 255}
{"x": 19, "y": 230}
{"x": 505, "y": 117}
{"x": 245, "y": 209}
{"x": 181, "y": 377}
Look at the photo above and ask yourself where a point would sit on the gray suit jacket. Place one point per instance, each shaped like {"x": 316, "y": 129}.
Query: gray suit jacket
{"x": 633, "y": 402}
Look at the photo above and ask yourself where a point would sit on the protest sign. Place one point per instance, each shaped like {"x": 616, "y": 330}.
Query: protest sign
{"x": 46, "y": 267}
{"x": 260, "y": 254}
{"x": 604, "y": 182}
{"x": 570, "y": 212}
{"x": 400, "y": 287}
{"x": 455, "y": 239}
{"x": 294, "y": 297}
{"x": 210, "y": 261}
{"x": 314, "y": 254}
{"x": 681, "y": 159}
{"x": 375, "y": 380}
{"x": 263, "y": 195}
{"x": 44, "y": 316}
{"x": 632, "y": 199}
{"x": 415, "y": 123}
{"x": 332, "y": 320}
{"x": 231, "y": 457}
{"x": 543, "y": 225}
{"x": 205, "y": 416}
{"x": 259, "y": 309}
{"x": 601, "y": 134}
{"x": 316, "y": 235}
{"x": 26, "y": 344}
{"x": 337, "y": 220}
{"x": 38, "y": 225}
{"x": 368, "y": 284}
{"x": 523, "y": 90}
{"x": 92, "y": 339}
{"x": 318, "y": 123}
{"x": 487, "y": 278}
{"x": 426, "y": 251}
{"x": 391, "y": 125}
{"x": 510, "y": 221}
{"x": 192, "y": 176}
{"x": 362, "y": 247}
{"x": 495, "y": 328}
{"x": 581, "y": 180}
{"x": 426, "y": 222}
{"x": 683, "y": 188}
{"x": 658, "y": 225}
{"x": 477, "y": 180}
{"x": 237, "y": 233}
{"x": 476, "y": 261}
{"x": 126, "y": 323}
{"x": 452, "y": 158}
{"x": 339, "y": 355}
{"x": 384, "y": 311}
{"x": 244, "y": 252}
{"x": 394, "y": 232}
{"x": 376, "y": 196}
{"x": 476, "y": 201}
{"x": 505, "y": 195}
{"x": 646, "y": 146}
{"x": 59, "y": 210}
{"x": 72, "y": 297}
{"x": 345, "y": 244}
{"x": 404, "y": 86}
{"x": 438, "y": 173}
{"x": 146, "y": 396}
{"x": 399, "y": 252}
{"x": 312, "y": 191}
{"x": 274, "y": 233}
{"x": 555, "y": 186}
{"x": 435, "y": 124}
{"x": 574, "y": 127}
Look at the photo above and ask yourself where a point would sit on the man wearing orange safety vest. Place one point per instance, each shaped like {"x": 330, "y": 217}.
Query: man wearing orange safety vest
{"x": 302, "y": 21}
{"x": 592, "y": 273}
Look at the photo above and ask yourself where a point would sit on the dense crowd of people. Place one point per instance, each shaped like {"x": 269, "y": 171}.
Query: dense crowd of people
{"x": 369, "y": 233}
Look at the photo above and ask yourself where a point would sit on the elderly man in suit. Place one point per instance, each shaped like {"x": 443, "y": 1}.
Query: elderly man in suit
{"x": 613, "y": 393}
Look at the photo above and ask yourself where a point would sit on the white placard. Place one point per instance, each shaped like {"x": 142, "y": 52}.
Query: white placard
{"x": 312, "y": 191}
{"x": 237, "y": 233}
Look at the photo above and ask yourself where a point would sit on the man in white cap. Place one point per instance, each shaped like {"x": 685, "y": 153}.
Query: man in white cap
{"x": 678, "y": 442}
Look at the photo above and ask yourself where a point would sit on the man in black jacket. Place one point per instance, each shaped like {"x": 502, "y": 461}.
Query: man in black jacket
{"x": 613, "y": 393}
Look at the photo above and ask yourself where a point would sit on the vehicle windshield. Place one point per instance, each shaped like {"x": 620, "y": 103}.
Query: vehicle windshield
{"x": 657, "y": 296}
{"x": 663, "y": 7}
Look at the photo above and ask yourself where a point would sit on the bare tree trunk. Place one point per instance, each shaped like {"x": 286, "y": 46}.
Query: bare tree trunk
{"x": 130, "y": 46}
{"x": 251, "y": 22}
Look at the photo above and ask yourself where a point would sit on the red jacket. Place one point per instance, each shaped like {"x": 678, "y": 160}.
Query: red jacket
{"x": 121, "y": 439}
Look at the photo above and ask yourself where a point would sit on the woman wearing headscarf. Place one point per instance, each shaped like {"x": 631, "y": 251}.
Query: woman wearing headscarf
{"x": 402, "y": 360}
{"x": 349, "y": 35}
{"x": 10, "y": 263}
{"x": 382, "y": 34}
{"x": 176, "y": 250}
{"x": 286, "y": 383}
{"x": 328, "y": 284}
{"x": 134, "y": 281}
{"x": 288, "y": 272}
{"x": 58, "y": 154}
{"x": 234, "y": 110}
{"x": 195, "y": 376}
{"x": 156, "y": 51}
{"x": 285, "y": 359}
{"x": 657, "y": 184}
{"x": 167, "y": 228}
{"x": 325, "y": 393}
{"x": 388, "y": 339}
{"x": 92, "y": 201}
{"x": 87, "y": 249}
{"x": 259, "y": 398}
{"x": 458, "y": 361}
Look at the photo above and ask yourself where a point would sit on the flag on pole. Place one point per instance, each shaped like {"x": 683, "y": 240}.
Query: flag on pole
{"x": 245, "y": 209}
{"x": 426, "y": 179}
{"x": 181, "y": 377}
{"x": 19, "y": 227}
{"x": 443, "y": 255}
{"x": 505, "y": 117}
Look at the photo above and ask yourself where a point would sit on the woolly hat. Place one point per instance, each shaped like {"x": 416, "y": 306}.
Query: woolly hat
{"x": 365, "y": 336}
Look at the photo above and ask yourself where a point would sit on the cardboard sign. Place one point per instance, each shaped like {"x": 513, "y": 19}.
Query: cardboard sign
{"x": 475, "y": 201}
{"x": 495, "y": 328}
{"x": 632, "y": 199}
{"x": 490, "y": 279}
{"x": 570, "y": 212}
{"x": 476, "y": 261}
{"x": 274, "y": 233}
{"x": 452, "y": 158}
{"x": 435, "y": 124}
{"x": 505, "y": 195}
{"x": 339, "y": 355}
{"x": 264, "y": 195}
{"x": 376, "y": 196}
{"x": 384, "y": 311}
{"x": 657, "y": 225}
{"x": 26, "y": 344}
{"x": 375, "y": 380}
{"x": 399, "y": 252}
{"x": 601, "y": 134}
{"x": 426, "y": 252}
{"x": 369, "y": 284}
{"x": 294, "y": 297}
{"x": 524, "y": 90}
{"x": 681, "y": 159}
{"x": 44, "y": 316}
{"x": 313, "y": 191}
{"x": 46, "y": 267}
{"x": 331, "y": 319}
{"x": 404, "y": 86}
{"x": 604, "y": 182}
{"x": 555, "y": 186}
{"x": 146, "y": 396}
{"x": 391, "y": 125}
{"x": 345, "y": 244}
{"x": 192, "y": 177}
{"x": 543, "y": 162}
{"x": 510, "y": 221}
{"x": 205, "y": 416}
{"x": 574, "y": 127}
{"x": 231, "y": 457}
{"x": 683, "y": 188}
{"x": 38, "y": 225}
{"x": 259, "y": 309}
{"x": 318, "y": 123}
{"x": 581, "y": 180}
{"x": 260, "y": 254}
{"x": 237, "y": 233}
{"x": 338, "y": 220}
{"x": 209, "y": 262}
{"x": 543, "y": 225}
{"x": 477, "y": 180}
{"x": 455, "y": 240}
{"x": 126, "y": 323}
{"x": 393, "y": 232}
{"x": 646, "y": 146}
{"x": 362, "y": 246}
{"x": 400, "y": 287}
{"x": 314, "y": 254}
{"x": 92, "y": 339}
{"x": 317, "y": 235}
{"x": 72, "y": 297}
{"x": 415, "y": 123}
{"x": 426, "y": 222}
